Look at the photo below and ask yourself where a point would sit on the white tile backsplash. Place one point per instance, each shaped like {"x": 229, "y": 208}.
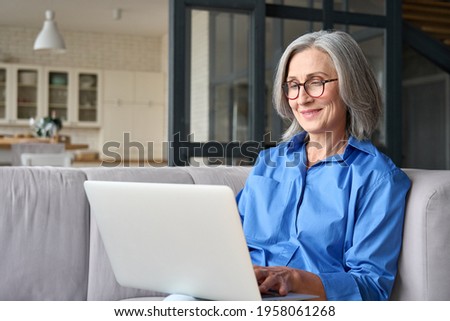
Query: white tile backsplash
{"x": 86, "y": 50}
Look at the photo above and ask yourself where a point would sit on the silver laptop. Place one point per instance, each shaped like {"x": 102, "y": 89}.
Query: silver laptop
{"x": 181, "y": 239}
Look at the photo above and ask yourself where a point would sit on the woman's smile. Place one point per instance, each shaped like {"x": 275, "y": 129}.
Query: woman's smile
{"x": 310, "y": 113}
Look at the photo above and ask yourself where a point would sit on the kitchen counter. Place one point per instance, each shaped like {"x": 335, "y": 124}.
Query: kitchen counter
{"x": 6, "y": 156}
{"x": 6, "y": 142}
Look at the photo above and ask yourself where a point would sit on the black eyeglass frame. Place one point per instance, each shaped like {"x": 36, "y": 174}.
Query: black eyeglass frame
{"x": 285, "y": 86}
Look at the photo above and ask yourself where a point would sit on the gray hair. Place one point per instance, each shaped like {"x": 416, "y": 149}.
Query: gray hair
{"x": 358, "y": 86}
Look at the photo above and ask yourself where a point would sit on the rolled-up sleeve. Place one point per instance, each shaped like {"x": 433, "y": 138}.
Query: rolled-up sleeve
{"x": 340, "y": 286}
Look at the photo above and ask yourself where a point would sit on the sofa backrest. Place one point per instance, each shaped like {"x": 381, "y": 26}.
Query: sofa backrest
{"x": 51, "y": 249}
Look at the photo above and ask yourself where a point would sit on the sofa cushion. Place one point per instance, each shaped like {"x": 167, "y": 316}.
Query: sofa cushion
{"x": 425, "y": 257}
{"x": 139, "y": 174}
{"x": 233, "y": 177}
{"x": 44, "y": 234}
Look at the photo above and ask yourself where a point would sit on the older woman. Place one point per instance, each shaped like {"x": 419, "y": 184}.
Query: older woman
{"x": 323, "y": 211}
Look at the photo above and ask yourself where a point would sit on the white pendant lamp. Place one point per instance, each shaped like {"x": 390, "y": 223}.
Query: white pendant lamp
{"x": 49, "y": 38}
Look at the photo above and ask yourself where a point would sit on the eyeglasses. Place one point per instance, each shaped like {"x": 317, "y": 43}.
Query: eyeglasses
{"x": 313, "y": 87}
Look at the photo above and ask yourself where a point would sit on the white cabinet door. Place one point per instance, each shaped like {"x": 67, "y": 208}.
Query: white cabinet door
{"x": 27, "y": 93}
{"x": 148, "y": 129}
{"x": 140, "y": 134}
{"x": 88, "y": 97}
{"x": 134, "y": 132}
{"x": 5, "y": 85}
{"x": 134, "y": 114}
{"x": 125, "y": 133}
{"x": 58, "y": 93}
{"x": 118, "y": 120}
{"x": 143, "y": 88}
{"x": 118, "y": 86}
{"x": 157, "y": 132}
{"x": 149, "y": 88}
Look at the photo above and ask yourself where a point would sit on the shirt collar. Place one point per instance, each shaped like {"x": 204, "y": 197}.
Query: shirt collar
{"x": 297, "y": 141}
{"x": 366, "y": 146}
{"x": 362, "y": 145}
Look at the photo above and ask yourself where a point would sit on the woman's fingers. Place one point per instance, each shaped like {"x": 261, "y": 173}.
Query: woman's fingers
{"x": 273, "y": 279}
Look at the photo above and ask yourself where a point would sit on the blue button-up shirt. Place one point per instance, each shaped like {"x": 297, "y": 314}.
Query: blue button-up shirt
{"x": 341, "y": 219}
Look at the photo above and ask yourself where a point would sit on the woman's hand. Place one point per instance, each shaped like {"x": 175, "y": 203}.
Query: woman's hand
{"x": 282, "y": 280}
{"x": 277, "y": 279}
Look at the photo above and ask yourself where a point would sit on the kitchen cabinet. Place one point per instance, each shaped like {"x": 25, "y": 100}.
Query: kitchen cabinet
{"x": 134, "y": 115}
{"x": 25, "y": 83}
{"x": 58, "y": 97}
{"x": 133, "y": 132}
{"x": 73, "y": 95}
{"x": 88, "y": 97}
{"x": 137, "y": 88}
{"x": 28, "y": 91}
{"x": 149, "y": 88}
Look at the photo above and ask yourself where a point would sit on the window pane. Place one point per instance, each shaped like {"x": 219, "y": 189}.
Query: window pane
{"x": 316, "y": 4}
{"x": 426, "y": 138}
{"x": 357, "y": 6}
{"x": 426, "y": 113}
{"x": 3, "y": 93}
{"x": 219, "y": 76}
{"x": 220, "y": 122}
{"x": 200, "y": 75}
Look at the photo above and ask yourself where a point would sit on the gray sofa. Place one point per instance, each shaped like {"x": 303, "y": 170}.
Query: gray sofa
{"x": 50, "y": 248}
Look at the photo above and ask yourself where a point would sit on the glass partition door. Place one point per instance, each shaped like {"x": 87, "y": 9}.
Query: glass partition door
{"x": 216, "y": 80}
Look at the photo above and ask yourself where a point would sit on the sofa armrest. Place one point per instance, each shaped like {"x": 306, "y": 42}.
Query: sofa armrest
{"x": 44, "y": 238}
{"x": 424, "y": 261}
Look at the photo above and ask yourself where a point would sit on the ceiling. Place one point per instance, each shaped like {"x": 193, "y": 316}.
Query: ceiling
{"x": 138, "y": 17}
{"x": 432, "y": 17}
{"x": 150, "y": 17}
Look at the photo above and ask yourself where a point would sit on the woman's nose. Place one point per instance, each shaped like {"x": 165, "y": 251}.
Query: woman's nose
{"x": 303, "y": 97}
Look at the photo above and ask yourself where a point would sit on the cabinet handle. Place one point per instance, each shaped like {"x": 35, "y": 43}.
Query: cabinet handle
{"x": 119, "y": 102}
